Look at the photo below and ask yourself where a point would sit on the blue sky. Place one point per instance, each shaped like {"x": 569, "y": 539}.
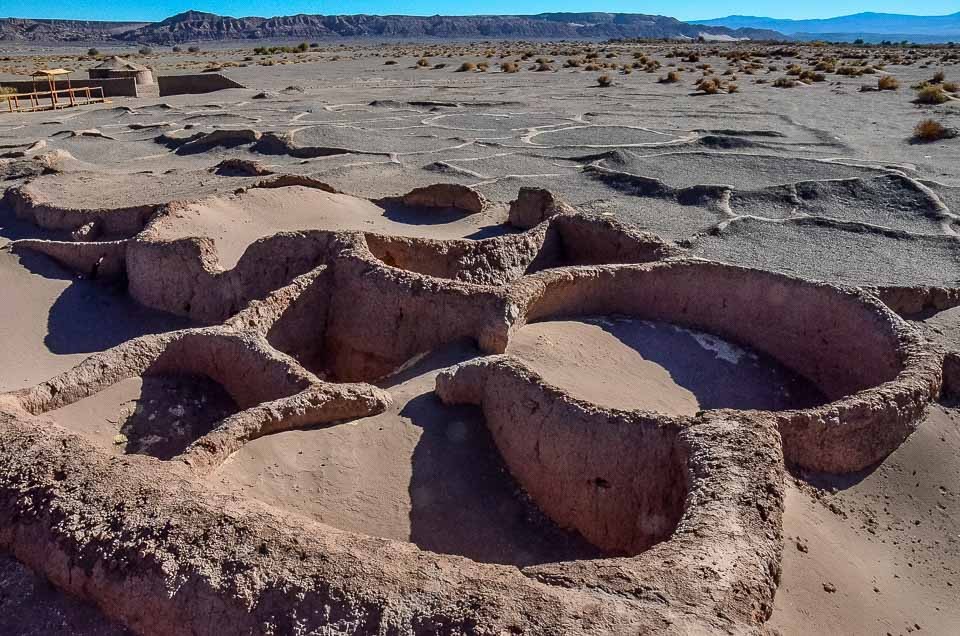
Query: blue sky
{"x": 682, "y": 9}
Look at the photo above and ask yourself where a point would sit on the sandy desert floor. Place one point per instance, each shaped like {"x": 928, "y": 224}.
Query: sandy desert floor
{"x": 821, "y": 181}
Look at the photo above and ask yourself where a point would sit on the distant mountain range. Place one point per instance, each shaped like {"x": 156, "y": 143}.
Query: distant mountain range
{"x": 194, "y": 26}
{"x": 871, "y": 27}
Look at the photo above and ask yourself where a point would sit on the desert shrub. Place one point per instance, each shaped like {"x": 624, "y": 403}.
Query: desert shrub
{"x": 423, "y": 62}
{"x": 93, "y": 52}
{"x": 931, "y": 130}
{"x": 193, "y": 49}
{"x": 808, "y": 77}
{"x": 604, "y": 80}
{"x": 733, "y": 88}
{"x": 784, "y": 82}
{"x": 888, "y": 83}
{"x": 145, "y": 50}
{"x": 938, "y": 77}
{"x": 176, "y": 49}
{"x": 509, "y": 67}
{"x": 951, "y": 87}
{"x": 709, "y": 86}
{"x": 931, "y": 94}
{"x": 483, "y": 67}
{"x": 670, "y": 78}
{"x": 467, "y": 67}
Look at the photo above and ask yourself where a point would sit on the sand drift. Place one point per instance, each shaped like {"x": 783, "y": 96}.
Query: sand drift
{"x": 314, "y": 309}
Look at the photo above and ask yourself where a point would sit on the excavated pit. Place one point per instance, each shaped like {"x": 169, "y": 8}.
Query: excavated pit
{"x": 158, "y": 415}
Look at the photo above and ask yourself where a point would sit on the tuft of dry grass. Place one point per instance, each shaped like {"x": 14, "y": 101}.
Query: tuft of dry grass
{"x": 930, "y": 130}
{"x": 733, "y": 88}
{"x": 951, "y": 87}
{"x": 423, "y": 62}
{"x": 784, "y": 82}
{"x": 888, "y": 83}
{"x": 467, "y": 67}
{"x": 931, "y": 94}
{"x": 604, "y": 80}
{"x": 509, "y": 67}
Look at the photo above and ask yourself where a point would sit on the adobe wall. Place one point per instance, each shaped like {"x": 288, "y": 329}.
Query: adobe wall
{"x": 119, "y": 87}
{"x": 194, "y": 84}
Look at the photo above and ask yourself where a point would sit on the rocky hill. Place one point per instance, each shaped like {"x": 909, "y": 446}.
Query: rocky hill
{"x": 196, "y": 26}
{"x": 868, "y": 26}
{"x": 25, "y": 29}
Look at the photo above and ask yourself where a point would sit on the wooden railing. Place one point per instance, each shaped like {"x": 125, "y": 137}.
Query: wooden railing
{"x": 49, "y": 100}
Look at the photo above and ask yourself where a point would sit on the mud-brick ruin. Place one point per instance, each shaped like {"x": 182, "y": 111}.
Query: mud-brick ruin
{"x": 681, "y": 512}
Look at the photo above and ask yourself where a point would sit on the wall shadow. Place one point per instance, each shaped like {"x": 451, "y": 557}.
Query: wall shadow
{"x": 719, "y": 376}
{"x": 464, "y": 500}
{"x": 91, "y": 316}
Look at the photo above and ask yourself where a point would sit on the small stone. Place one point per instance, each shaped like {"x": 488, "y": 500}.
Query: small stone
{"x": 829, "y": 587}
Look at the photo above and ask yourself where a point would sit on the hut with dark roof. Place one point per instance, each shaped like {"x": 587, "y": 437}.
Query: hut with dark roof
{"x": 117, "y": 67}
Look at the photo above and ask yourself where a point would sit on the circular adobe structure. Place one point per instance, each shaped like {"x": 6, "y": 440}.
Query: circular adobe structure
{"x": 869, "y": 364}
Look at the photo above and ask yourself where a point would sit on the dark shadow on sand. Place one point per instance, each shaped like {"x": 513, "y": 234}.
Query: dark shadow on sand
{"x": 755, "y": 381}
{"x": 464, "y": 500}
{"x": 90, "y": 315}
{"x": 171, "y": 412}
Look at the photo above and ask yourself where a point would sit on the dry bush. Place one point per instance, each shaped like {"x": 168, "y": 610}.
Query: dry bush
{"x": 467, "y": 67}
{"x": 733, "y": 88}
{"x": 888, "y": 83}
{"x": 938, "y": 77}
{"x": 483, "y": 67}
{"x": 423, "y": 62}
{"x": 671, "y": 78}
{"x": 809, "y": 77}
{"x": 604, "y": 80}
{"x": 931, "y": 94}
{"x": 709, "y": 86}
{"x": 951, "y": 87}
{"x": 509, "y": 67}
{"x": 931, "y": 130}
{"x": 543, "y": 67}
{"x": 784, "y": 82}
